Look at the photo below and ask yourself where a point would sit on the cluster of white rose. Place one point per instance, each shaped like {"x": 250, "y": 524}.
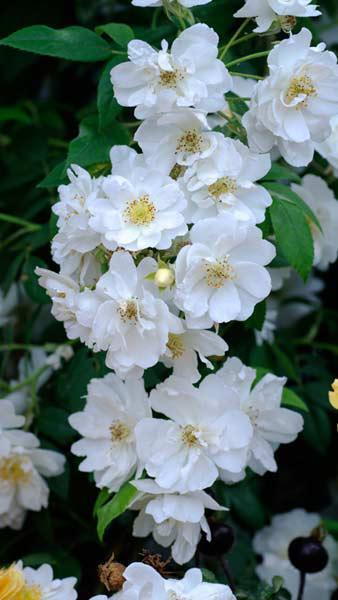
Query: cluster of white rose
{"x": 152, "y": 258}
{"x": 159, "y": 252}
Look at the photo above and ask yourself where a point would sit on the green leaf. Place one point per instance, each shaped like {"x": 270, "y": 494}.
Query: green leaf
{"x": 114, "y": 507}
{"x": 72, "y": 43}
{"x": 30, "y": 280}
{"x": 256, "y": 321}
{"x": 293, "y": 235}
{"x": 53, "y": 423}
{"x": 291, "y": 399}
{"x": 56, "y": 177}
{"x": 284, "y": 364}
{"x": 209, "y": 576}
{"x": 287, "y": 195}
{"x": 278, "y": 172}
{"x": 101, "y": 500}
{"x": 120, "y": 33}
{"x": 13, "y": 113}
{"x": 108, "y": 107}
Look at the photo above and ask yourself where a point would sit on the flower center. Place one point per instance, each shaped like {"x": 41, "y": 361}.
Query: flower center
{"x": 224, "y": 185}
{"x": 140, "y": 211}
{"x": 175, "y": 345}
{"x": 13, "y": 470}
{"x": 191, "y": 141}
{"x": 190, "y": 436}
{"x": 301, "y": 85}
{"x": 119, "y": 431}
{"x": 218, "y": 273}
{"x": 30, "y": 592}
{"x": 11, "y": 582}
{"x": 128, "y": 311}
{"x": 253, "y": 414}
{"x": 170, "y": 79}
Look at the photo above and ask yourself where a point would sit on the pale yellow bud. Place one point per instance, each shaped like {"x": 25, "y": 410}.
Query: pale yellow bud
{"x": 164, "y": 277}
{"x": 333, "y": 396}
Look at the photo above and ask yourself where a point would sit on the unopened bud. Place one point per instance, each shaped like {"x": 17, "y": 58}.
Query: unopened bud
{"x": 111, "y": 575}
{"x": 164, "y": 277}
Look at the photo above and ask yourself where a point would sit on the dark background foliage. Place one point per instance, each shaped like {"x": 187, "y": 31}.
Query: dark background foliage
{"x": 43, "y": 100}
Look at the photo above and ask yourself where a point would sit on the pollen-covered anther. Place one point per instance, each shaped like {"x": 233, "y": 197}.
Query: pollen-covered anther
{"x": 170, "y": 79}
{"x": 223, "y": 186}
{"x": 128, "y": 311}
{"x": 190, "y": 436}
{"x": 218, "y": 272}
{"x": 175, "y": 345}
{"x": 191, "y": 141}
{"x": 119, "y": 431}
{"x": 31, "y": 592}
{"x": 301, "y": 85}
{"x": 14, "y": 470}
{"x": 140, "y": 211}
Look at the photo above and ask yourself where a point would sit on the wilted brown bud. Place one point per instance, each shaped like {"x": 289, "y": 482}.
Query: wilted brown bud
{"x": 111, "y": 575}
{"x": 287, "y": 23}
{"x": 319, "y": 533}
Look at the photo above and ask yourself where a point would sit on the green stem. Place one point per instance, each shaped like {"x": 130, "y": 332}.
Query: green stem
{"x": 120, "y": 52}
{"x": 156, "y": 14}
{"x": 249, "y": 75}
{"x": 17, "y": 221}
{"x": 238, "y": 61}
{"x": 31, "y": 379}
{"x": 244, "y": 38}
{"x": 230, "y": 43}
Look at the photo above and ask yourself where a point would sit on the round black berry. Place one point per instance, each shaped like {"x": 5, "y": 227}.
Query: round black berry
{"x": 221, "y": 541}
{"x": 308, "y": 555}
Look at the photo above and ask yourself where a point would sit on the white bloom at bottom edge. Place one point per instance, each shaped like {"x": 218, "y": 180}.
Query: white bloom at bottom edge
{"x": 107, "y": 424}
{"x": 172, "y": 519}
{"x": 267, "y": 11}
{"x": 153, "y": 3}
{"x": 272, "y": 544}
{"x": 205, "y": 430}
{"x": 144, "y": 583}
{"x": 272, "y": 424}
{"x": 22, "y": 470}
{"x": 35, "y": 584}
{"x": 220, "y": 276}
{"x": 321, "y": 199}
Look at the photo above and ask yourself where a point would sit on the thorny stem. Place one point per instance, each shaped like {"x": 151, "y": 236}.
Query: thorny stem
{"x": 230, "y": 43}
{"x": 237, "y": 61}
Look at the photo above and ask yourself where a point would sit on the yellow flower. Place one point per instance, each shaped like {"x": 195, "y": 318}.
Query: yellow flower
{"x": 11, "y": 583}
{"x": 333, "y": 396}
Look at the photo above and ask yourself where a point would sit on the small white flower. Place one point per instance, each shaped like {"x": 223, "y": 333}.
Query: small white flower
{"x": 176, "y": 140}
{"x": 293, "y": 106}
{"x": 267, "y": 333}
{"x": 130, "y": 323}
{"x": 172, "y": 519}
{"x": 159, "y": 81}
{"x": 272, "y": 424}
{"x": 329, "y": 148}
{"x": 64, "y": 351}
{"x": 75, "y": 237}
{"x": 140, "y": 208}
{"x": 224, "y": 183}
{"x": 320, "y": 198}
{"x": 186, "y": 3}
{"x": 107, "y": 424}
{"x": 272, "y": 543}
{"x": 184, "y": 349}
{"x": 278, "y": 276}
{"x": 220, "y": 276}
{"x": 144, "y": 583}
{"x": 23, "y": 466}
{"x": 265, "y": 12}
{"x": 204, "y": 431}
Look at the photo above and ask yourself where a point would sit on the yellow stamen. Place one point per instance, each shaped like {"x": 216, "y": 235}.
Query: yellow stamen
{"x": 191, "y": 141}
{"x": 140, "y": 212}
{"x": 218, "y": 273}
{"x": 301, "y": 85}
{"x": 128, "y": 311}
{"x": 189, "y": 436}
{"x": 224, "y": 185}
{"x": 170, "y": 79}
{"x": 119, "y": 431}
{"x": 13, "y": 470}
{"x": 30, "y": 592}
{"x": 175, "y": 345}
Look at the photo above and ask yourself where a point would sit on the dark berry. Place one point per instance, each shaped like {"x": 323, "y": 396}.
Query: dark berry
{"x": 308, "y": 555}
{"x": 221, "y": 541}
